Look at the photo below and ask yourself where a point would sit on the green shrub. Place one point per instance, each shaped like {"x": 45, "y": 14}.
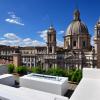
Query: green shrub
{"x": 33, "y": 70}
{"x": 73, "y": 75}
{"x": 22, "y": 70}
{"x": 79, "y": 75}
{"x": 38, "y": 70}
{"x": 76, "y": 76}
{"x": 11, "y": 68}
{"x": 66, "y": 73}
{"x": 29, "y": 69}
{"x": 70, "y": 73}
{"x": 56, "y": 72}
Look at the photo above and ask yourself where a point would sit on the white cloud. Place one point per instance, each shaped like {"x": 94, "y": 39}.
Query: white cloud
{"x": 14, "y": 40}
{"x": 61, "y": 32}
{"x": 14, "y": 19}
{"x": 11, "y": 36}
{"x": 43, "y": 35}
{"x": 60, "y": 43}
{"x": 4, "y": 42}
{"x": 92, "y": 40}
{"x": 30, "y": 42}
{"x": 38, "y": 43}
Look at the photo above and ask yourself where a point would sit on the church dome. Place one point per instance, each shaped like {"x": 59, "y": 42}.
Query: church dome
{"x": 76, "y": 26}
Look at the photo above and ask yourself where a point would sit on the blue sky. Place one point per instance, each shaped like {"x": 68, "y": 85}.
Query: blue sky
{"x": 25, "y": 22}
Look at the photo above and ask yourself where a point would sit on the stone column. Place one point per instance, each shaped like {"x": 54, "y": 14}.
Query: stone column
{"x": 47, "y": 49}
{"x": 17, "y": 59}
{"x": 34, "y": 61}
{"x": 30, "y": 62}
{"x": 97, "y": 50}
{"x": 46, "y": 66}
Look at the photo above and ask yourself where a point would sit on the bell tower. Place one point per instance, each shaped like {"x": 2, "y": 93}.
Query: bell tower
{"x": 97, "y": 42}
{"x": 51, "y": 40}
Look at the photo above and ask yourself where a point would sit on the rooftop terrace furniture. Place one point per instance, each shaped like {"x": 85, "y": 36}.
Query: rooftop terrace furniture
{"x": 46, "y": 83}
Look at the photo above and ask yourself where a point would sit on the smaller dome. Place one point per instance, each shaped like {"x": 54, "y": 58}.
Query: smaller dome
{"x": 76, "y": 26}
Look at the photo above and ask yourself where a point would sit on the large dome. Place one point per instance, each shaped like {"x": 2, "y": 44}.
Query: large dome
{"x": 76, "y": 26}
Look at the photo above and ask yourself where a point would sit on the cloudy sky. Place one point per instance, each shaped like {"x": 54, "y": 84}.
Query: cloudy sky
{"x": 25, "y": 22}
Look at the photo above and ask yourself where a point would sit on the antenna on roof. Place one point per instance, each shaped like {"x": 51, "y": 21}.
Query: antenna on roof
{"x": 76, "y": 4}
{"x": 50, "y": 22}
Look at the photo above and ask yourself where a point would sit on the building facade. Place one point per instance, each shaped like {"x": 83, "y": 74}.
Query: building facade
{"x": 76, "y": 52}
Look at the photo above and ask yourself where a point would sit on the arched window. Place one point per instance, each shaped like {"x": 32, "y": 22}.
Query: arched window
{"x": 84, "y": 44}
{"x": 74, "y": 43}
{"x": 50, "y": 49}
{"x": 98, "y": 32}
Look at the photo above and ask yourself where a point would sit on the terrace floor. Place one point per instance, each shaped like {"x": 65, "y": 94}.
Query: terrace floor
{"x": 71, "y": 88}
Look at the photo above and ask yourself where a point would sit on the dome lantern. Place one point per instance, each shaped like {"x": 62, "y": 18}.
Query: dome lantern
{"x": 76, "y": 15}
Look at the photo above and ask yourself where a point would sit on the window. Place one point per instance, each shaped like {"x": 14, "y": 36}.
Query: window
{"x": 98, "y": 32}
{"x": 50, "y": 49}
{"x": 50, "y": 37}
{"x": 50, "y": 65}
{"x": 32, "y": 64}
{"x": 28, "y": 59}
{"x": 84, "y": 44}
{"x": 74, "y": 43}
{"x": 24, "y": 59}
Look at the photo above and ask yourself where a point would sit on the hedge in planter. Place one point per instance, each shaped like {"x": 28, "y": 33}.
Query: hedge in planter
{"x": 76, "y": 76}
{"x": 11, "y": 68}
{"x": 22, "y": 70}
{"x": 70, "y": 73}
{"x": 56, "y": 72}
{"x": 38, "y": 70}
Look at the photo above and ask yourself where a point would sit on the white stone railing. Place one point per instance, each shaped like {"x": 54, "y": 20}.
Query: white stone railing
{"x": 91, "y": 73}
